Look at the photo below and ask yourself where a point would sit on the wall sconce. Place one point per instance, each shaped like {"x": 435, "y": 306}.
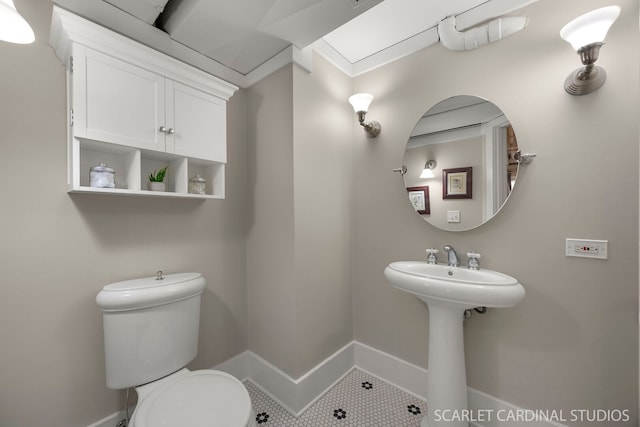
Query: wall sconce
{"x": 586, "y": 34}
{"x": 360, "y": 103}
{"x": 427, "y": 172}
{"x": 13, "y": 27}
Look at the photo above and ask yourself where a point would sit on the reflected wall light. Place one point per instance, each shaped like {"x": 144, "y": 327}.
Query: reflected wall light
{"x": 360, "y": 103}
{"x": 13, "y": 27}
{"x": 427, "y": 172}
{"x": 586, "y": 34}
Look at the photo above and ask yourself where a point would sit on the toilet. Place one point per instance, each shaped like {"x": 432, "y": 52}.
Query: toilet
{"x": 151, "y": 330}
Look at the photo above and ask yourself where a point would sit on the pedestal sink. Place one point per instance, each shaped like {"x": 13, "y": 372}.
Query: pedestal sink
{"x": 448, "y": 292}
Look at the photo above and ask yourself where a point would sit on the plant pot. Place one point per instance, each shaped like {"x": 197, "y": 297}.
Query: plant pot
{"x": 155, "y": 186}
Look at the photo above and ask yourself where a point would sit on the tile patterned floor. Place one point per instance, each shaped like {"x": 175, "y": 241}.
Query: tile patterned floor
{"x": 358, "y": 400}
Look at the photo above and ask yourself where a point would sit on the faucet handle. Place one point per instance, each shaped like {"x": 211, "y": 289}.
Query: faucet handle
{"x": 472, "y": 261}
{"x": 432, "y": 257}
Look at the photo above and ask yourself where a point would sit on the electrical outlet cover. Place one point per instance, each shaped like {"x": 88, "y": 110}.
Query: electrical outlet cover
{"x": 587, "y": 248}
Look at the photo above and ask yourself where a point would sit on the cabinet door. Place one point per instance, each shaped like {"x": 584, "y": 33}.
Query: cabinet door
{"x": 200, "y": 122}
{"x": 117, "y": 102}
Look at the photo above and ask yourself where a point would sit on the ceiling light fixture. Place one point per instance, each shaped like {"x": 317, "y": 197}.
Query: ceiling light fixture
{"x": 586, "y": 34}
{"x": 427, "y": 172}
{"x": 13, "y": 27}
{"x": 360, "y": 103}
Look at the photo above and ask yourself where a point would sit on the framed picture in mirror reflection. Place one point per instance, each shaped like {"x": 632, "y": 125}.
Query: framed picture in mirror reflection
{"x": 457, "y": 183}
{"x": 419, "y": 197}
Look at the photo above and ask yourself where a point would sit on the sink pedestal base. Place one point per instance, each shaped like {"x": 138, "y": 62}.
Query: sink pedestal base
{"x": 447, "y": 387}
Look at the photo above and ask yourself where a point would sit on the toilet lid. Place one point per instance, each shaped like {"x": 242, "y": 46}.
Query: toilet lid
{"x": 197, "y": 399}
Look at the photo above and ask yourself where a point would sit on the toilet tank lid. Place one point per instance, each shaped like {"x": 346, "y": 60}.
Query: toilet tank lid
{"x": 149, "y": 291}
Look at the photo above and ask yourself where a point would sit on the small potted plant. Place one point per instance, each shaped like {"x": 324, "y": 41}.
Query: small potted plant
{"x": 156, "y": 180}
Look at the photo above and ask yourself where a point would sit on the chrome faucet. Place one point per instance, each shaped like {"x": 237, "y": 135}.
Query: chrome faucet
{"x": 452, "y": 258}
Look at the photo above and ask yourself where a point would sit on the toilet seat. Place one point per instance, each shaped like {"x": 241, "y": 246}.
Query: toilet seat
{"x": 204, "y": 398}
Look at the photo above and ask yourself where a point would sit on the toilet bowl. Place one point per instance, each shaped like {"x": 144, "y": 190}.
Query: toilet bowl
{"x": 203, "y": 398}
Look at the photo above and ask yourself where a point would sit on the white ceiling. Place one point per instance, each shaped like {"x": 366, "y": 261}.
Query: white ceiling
{"x": 245, "y": 34}
{"x": 247, "y": 39}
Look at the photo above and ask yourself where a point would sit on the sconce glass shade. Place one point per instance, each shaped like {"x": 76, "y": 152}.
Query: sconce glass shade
{"x": 13, "y": 27}
{"x": 427, "y": 172}
{"x": 586, "y": 34}
{"x": 592, "y": 27}
{"x": 360, "y": 101}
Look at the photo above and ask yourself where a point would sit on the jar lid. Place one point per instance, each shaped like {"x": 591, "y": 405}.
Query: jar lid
{"x": 102, "y": 167}
{"x": 197, "y": 178}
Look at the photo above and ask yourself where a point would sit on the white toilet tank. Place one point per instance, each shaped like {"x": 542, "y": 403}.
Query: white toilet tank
{"x": 150, "y": 327}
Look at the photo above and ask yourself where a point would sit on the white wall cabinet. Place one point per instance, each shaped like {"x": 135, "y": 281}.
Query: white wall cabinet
{"x": 138, "y": 110}
{"x": 116, "y": 102}
{"x": 199, "y": 123}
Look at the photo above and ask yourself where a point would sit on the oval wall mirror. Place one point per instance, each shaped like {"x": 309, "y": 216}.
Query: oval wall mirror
{"x": 461, "y": 163}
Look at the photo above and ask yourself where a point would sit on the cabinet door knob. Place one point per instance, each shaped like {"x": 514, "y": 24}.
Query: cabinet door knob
{"x": 171, "y": 131}
{"x": 162, "y": 129}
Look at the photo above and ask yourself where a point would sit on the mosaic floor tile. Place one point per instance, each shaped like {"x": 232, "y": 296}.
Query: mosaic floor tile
{"x": 358, "y": 400}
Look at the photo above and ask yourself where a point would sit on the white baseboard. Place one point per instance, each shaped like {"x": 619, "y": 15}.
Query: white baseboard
{"x": 113, "y": 419}
{"x": 404, "y": 375}
{"x": 499, "y": 413}
{"x": 238, "y": 366}
{"x": 109, "y": 421}
{"x": 295, "y": 395}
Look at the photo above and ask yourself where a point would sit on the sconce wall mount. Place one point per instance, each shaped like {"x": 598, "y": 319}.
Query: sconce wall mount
{"x": 372, "y": 128}
{"x": 588, "y": 78}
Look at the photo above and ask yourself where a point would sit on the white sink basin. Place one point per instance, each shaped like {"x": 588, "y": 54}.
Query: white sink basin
{"x": 461, "y": 286}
